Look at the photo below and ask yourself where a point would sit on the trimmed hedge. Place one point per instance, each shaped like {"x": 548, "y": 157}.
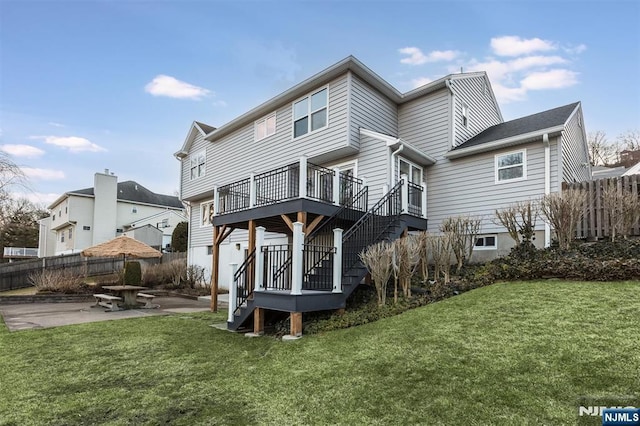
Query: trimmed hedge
{"x": 132, "y": 273}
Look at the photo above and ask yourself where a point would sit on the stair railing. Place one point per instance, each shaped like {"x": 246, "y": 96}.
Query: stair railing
{"x": 372, "y": 226}
{"x": 242, "y": 279}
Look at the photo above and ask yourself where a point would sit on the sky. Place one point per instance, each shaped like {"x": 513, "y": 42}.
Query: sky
{"x": 91, "y": 85}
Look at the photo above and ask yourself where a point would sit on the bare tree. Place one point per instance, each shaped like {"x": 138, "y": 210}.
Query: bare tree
{"x": 563, "y": 212}
{"x": 623, "y": 210}
{"x": 406, "y": 258}
{"x": 377, "y": 259}
{"x": 424, "y": 252}
{"x": 463, "y": 233}
{"x": 11, "y": 175}
{"x": 630, "y": 140}
{"x": 601, "y": 152}
{"x": 519, "y": 219}
{"x": 440, "y": 247}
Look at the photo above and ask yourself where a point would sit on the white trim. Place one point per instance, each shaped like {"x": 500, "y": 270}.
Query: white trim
{"x": 485, "y": 247}
{"x": 503, "y": 143}
{"x": 353, "y": 162}
{"x": 310, "y": 112}
{"x": 264, "y": 120}
{"x": 195, "y": 156}
{"x": 396, "y": 169}
{"x": 524, "y": 166}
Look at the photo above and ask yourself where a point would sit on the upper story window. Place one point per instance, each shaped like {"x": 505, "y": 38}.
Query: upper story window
{"x": 206, "y": 213}
{"x": 70, "y": 234}
{"x": 310, "y": 113}
{"x": 198, "y": 163}
{"x": 465, "y": 115}
{"x": 54, "y": 218}
{"x": 265, "y": 127}
{"x": 511, "y": 166}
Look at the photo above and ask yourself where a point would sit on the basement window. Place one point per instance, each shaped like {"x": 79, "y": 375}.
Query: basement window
{"x": 86, "y": 228}
{"x": 486, "y": 242}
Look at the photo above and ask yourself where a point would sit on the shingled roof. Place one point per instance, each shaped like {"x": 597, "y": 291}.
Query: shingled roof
{"x": 520, "y": 126}
{"x": 133, "y": 191}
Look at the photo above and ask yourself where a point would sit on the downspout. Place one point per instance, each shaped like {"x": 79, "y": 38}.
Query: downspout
{"x": 452, "y": 112}
{"x": 547, "y": 183}
{"x": 393, "y": 165}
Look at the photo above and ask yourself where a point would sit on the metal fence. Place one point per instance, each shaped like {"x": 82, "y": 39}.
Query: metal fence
{"x": 16, "y": 275}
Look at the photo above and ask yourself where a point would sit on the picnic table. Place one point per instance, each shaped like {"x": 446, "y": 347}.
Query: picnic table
{"x": 127, "y": 292}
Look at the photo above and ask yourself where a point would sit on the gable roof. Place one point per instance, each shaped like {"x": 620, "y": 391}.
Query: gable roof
{"x": 196, "y": 127}
{"x": 351, "y": 64}
{"x": 515, "y": 131}
{"x": 134, "y": 192}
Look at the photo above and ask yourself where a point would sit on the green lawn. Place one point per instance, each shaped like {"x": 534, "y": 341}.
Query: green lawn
{"x": 518, "y": 353}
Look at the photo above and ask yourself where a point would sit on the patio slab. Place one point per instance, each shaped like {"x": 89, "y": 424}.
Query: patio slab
{"x": 26, "y": 316}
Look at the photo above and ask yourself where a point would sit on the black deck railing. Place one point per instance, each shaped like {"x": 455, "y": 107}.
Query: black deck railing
{"x": 283, "y": 184}
{"x": 317, "y": 264}
{"x": 415, "y": 199}
{"x": 243, "y": 280}
{"x": 277, "y": 185}
{"x": 234, "y": 197}
{"x": 371, "y": 227}
{"x": 277, "y": 270}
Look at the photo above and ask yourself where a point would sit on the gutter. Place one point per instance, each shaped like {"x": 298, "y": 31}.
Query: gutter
{"x": 547, "y": 183}
{"x": 394, "y": 154}
{"x": 501, "y": 143}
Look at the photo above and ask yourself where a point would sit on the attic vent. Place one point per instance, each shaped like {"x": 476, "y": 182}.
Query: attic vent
{"x": 136, "y": 187}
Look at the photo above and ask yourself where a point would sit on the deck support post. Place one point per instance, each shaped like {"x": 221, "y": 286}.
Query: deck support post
{"x": 259, "y": 262}
{"x": 302, "y": 185}
{"x": 258, "y": 321}
{"x": 404, "y": 200}
{"x": 337, "y": 261}
{"x": 296, "y": 259}
{"x": 295, "y": 319}
{"x": 424, "y": 200}
{"x": 336, "y": 186}
{"x": 233, "y": 292}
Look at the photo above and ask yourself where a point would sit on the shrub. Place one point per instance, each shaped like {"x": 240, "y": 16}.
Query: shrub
{"x": 520, "y": 220}
{"x": 378, "y": 258}
{"x": 57, "y": 281}
{"x": 172, "y": 274}
{"x": 463, "y": 232}
{"x": 623, "y": 209}
{"x": 563, "y": 211}
{"x": 132, "y": 273}
{"x": 180, "y": 237}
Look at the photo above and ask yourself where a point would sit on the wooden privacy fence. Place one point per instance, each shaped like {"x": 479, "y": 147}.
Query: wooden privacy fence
{"x": 16, "y": 274}
{"x": 595, "y": 223}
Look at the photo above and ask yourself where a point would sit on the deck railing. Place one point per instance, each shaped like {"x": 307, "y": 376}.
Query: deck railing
{"x": 296, "y": 180}
{"x": 414, "y": 199}
{"x": 277, "y": 269}
{"x": 318, "y": 267}
{"x": 242, "y": 286}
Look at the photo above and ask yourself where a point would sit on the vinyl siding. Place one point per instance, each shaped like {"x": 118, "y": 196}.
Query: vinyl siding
{"x": 482, "y": 110}
{"x": 467, "y": 186}
{"x": 235, "y": 156}
{"x": 575, "y": 158}
{"x": 370, "y": 110}
{"x": 424, "y": 123}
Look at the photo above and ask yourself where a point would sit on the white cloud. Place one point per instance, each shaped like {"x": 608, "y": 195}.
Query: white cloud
{"x": 421, "y": 81}
{"x": 575, "y": 50}
{"x": 516, "y": 46}
{"x": 416, "y": 57}
{"x": 43, "y": 174}
{"x": 54, "y": 124}
{"x": 72, "y": 143}
{"x": 220, "y": 103}
{"x": 165, "y": 85}
{"x": 553, "y": 79}
{"x": 27, "y": 151}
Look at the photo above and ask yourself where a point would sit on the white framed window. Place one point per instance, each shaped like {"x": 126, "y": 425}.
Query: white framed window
{"x": 412, "y": 170}
{"x": 511, "y": 166}
{"x": 70, "y": 234}
{"x": 134, "y": 210}
{"x": 310, "y": 113}
{"x": 264, "y": 127}
{"x": 206, "y": 213}
{"x": 465, "y": 115}
{"x": 486, "y": 242}
{"x": 198, "y": 164}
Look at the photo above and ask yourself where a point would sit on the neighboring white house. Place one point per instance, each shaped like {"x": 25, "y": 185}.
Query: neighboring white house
{"x": 86, "y": 217}
{"x": 346, "y": 138}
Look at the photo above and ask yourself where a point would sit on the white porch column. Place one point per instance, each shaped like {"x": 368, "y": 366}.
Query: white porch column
{"x": 337, "y": 261}
{"x": 336, "y": 186}
{"x": 424, "y": 200}
{"x": 303, "y": 177}
{"x": 216, "y": 200}
{"x": 296, "y": 258}
{"x": 233, "y": 292}
{"x": 252, "y": 190}
{"x": 404, "y": 194}
{"x": 259, "y": 262}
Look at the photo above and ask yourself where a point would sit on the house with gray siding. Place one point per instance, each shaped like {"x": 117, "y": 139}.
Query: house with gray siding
{"x": 284, "y": 197}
